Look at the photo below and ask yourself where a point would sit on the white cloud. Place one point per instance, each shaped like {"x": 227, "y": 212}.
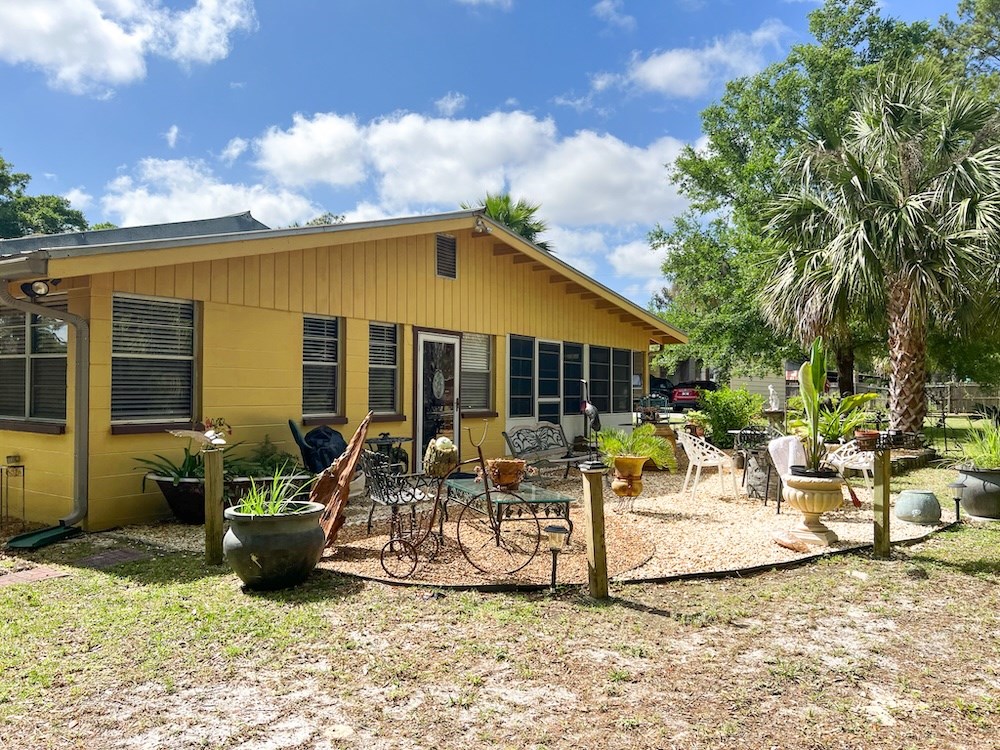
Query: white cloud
{"x": 90, "y": 46}
{"x": 582, "y": 249}
{"x": 590, "y": 179}
{"x": 328, "y": 148}
{"x": 171, "y": 135}
{"x": 688, "y": 72}
{"x": 637, "y": 260}
{"x": 611, "y": 12}
{"x": 234, "y": 149}
{"x": 425, "y": 161}
{"x": 450, "y": 104}
{"x": 79, "y": 198}
{"x": 180, "y": 189}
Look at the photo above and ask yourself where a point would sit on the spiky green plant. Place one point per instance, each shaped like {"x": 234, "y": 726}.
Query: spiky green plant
{"x": 812, "y": 384}
{"x": 273, "y": 496}
{"x": 642, "y": 441}
{"x": 981, "y": 447}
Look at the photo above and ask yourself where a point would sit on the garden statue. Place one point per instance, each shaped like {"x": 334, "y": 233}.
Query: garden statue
{"x": 772, "y": 399}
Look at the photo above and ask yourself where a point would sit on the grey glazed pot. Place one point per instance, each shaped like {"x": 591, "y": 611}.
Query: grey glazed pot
{"x": 982, "y": 492}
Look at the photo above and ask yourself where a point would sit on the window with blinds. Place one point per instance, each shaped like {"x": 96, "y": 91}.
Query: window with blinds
{"x": 152, "y": 359}
{"x": 477, "y": 372}
{"x": 383, "y": 368}
{"x": 33, "y": 364}
{"x": 447, "y": 256}
{"x": 321, "y": 366}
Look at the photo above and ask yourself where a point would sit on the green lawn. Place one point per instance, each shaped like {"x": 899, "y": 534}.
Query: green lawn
{"x": 845, "y": 653}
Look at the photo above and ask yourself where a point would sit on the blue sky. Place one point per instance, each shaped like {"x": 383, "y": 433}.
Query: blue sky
{"x": 142, "y": 111}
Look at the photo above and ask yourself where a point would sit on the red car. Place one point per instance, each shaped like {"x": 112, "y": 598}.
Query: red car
{"x": 688, "y": 395}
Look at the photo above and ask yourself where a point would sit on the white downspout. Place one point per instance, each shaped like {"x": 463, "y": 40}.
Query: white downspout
{"x": 81, "y": 401}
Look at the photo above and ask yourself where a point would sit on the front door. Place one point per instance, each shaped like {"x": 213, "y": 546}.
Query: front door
{"x": 437, "y": 390}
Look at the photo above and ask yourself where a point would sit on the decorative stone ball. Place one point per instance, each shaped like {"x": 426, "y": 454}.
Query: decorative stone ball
{"x": 918, "y": 506}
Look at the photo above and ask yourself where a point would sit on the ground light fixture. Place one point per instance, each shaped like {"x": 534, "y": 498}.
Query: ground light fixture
{"x": 957, "y": 490}
{"x": 557, "y": 541}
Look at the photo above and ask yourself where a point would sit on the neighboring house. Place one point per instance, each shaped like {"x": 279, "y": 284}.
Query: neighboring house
{"x": 435, "y": 323}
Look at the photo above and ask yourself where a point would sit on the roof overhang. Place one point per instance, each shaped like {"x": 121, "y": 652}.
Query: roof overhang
{"x": 68, "y": 262}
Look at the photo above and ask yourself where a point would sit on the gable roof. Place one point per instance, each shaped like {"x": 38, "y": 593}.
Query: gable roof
{"x": 231, "y": 224}
{"x": 30, "y": 257}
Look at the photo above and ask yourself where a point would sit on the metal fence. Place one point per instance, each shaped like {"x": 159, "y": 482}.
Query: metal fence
{"x": 949, "y": 398}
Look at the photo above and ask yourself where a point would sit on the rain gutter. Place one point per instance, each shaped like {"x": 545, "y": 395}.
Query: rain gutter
{"x": 35, "y": 265}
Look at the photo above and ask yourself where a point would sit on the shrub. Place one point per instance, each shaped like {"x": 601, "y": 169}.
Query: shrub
{"x": 730, "y": 410}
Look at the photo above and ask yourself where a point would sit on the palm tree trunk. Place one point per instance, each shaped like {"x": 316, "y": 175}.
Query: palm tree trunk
{"x": 844, "y": 352}
{"x": 907, "y": 358}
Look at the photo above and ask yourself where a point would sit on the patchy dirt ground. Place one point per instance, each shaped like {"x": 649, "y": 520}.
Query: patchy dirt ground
{"x": 168, "y": 654}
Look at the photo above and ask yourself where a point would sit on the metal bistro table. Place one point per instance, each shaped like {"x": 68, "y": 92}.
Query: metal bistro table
{"x": 484, "y": 530}
{"x": 392, "y": 447}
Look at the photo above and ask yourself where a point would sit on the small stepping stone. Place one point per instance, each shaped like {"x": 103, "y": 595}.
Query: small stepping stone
{"x": 110, "y": 558}
{"x": 39, "y": 573}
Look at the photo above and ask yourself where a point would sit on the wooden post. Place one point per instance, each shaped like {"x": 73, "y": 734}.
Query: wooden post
{"x": 213, "y": 506}
{"x": 593, "y": 514}
{"x": 880, "y": 503}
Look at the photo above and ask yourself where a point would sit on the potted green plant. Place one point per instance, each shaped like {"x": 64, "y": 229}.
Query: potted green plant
{"x": 628, "y": 452}
{"x": 696, "y": 422}
{"x": 813, "y": 488}
{"x": 274, "y": 539}
{"x": 846, "y": 416}
{"x": 979, "y": 469}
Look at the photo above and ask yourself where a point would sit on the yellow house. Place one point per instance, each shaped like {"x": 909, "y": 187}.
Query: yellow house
{"x": 435, "y": 323}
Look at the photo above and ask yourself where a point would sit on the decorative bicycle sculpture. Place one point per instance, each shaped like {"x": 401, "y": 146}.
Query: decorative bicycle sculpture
{"x": 497, "y": 529}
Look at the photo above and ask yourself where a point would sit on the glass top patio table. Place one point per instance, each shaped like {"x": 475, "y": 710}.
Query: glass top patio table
{"x": 526, "y": 493}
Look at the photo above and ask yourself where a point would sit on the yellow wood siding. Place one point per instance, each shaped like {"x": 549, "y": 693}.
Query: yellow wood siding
{"x": 250, "y": 341}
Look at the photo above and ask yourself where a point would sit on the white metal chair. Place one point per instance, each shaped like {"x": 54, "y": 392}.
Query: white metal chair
{"x": 701, "y": 453}
{"x": 849, "y": 456}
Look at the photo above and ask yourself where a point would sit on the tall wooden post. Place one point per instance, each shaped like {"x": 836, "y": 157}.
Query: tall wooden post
{"x": 593, "y": 514}
{"x": 880, "y": 503}
{"x": 213, "y": 506}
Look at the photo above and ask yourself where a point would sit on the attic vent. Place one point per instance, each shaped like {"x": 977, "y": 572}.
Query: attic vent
{"x": 446, "y": 256}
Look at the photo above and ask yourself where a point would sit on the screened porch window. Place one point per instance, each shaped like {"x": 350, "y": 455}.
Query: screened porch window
{"x": 600, "y": 378}
{"x": 321, "y": 366}
{"x": 32, "y": 365}
{"x": 621, "y": 380}
{"x": 152, "y": 359}
{"x": 477, "y": 372}
{"x": 572, "y": 375}
{"x": 522, "y": 376}
{"x": 383, "y": 368}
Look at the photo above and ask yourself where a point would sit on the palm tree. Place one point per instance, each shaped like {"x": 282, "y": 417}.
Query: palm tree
{"x": 519, "y": 217}
{"x": 903, "y": 215}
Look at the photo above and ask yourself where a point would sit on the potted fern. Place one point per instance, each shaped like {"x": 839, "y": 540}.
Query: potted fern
{"x": 813, "y": 488}
{"x": 274, "y": 539}
{"x": 628, "y": 452}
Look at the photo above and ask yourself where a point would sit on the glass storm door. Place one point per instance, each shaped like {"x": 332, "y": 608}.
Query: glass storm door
{"x": 437, "y": 390}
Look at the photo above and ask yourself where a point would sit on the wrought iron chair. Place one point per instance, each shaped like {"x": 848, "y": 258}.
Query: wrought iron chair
{"x": 849, "y": 456}
{"x": 393, "y": 490}
{"x": 751, "y": 445}
{"x": 701, "y": 454}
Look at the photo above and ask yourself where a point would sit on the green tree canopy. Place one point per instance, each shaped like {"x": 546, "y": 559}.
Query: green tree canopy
{"x": 901, "y": 213}
{"x": 22, "y": 214}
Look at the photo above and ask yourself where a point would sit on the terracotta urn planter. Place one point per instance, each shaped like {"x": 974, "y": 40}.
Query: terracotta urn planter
{"x": 812, "y": 494}
{"x": 506, "y": 473}
{"x": 627, "y": 480}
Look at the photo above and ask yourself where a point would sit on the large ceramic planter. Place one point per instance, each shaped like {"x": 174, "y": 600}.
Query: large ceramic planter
{"x": 812, "y": 496}
{"x": 981, "y": 496}
{"x": 627, "y": 480}
{"x": 186, "y": 497}
{"x": 506, "y": 473}
{"x": 274, "y": 552}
